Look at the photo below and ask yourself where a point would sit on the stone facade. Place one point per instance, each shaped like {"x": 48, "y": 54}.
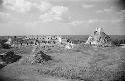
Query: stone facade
{"x": 45, "y": 41}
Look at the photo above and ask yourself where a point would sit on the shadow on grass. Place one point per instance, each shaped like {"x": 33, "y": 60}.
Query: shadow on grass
{"x": 8, "y": 58}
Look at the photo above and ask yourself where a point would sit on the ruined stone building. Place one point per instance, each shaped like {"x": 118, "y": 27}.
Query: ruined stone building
{"x": 99, "y": 38}
{"x": 45, "y": 41}
{"x": 48, "y": 39}
{"x": 36, "y": 40}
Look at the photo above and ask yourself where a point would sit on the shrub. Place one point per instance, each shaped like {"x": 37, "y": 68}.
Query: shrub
{"x": 10, "y": 57}
{"x": 119, "y": 41}
{"x": 4, "y": 45}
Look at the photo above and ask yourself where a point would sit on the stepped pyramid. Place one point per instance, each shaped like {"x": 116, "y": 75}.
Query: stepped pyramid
{"x": 99, "y": 38}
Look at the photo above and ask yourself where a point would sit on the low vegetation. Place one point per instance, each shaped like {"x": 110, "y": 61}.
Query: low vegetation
{"x": 3, "y": 44}
{"x": 118, "y": 42}
{"x": 8, "y": 58}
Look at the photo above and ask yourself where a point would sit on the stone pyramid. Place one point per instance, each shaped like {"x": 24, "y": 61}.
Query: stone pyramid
{"x": 99, "y": 38}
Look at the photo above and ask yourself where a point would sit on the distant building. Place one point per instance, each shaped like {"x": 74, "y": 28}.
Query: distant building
{"x": 47, "y": 41}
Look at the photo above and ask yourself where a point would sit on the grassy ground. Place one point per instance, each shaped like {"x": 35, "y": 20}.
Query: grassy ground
{"x": 78, "y": 64}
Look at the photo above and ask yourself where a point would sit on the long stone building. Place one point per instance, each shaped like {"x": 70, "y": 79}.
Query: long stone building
{"x": 37, "y": 40}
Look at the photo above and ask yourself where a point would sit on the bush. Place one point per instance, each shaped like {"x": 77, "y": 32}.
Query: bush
{"x": 118, "y": 42}
{"x": 4, "y": 45}
{"x": 10, "y": 57}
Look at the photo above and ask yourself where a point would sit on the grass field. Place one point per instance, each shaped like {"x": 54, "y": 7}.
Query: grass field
{"x": 82, "y": 63}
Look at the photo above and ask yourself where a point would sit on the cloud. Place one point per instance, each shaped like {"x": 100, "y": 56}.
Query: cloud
{"x": 92, "y": 21}
{"x": 86, "y": 6}
{"x": 76, "y": 22}
{"x": 116, "y": 20}
{"x": 65, "y": 0}
{"x": 55, "y": 13}
{"x": 89, "y": 21}
{"x": 122, "y": 14}
{"x": 80, "y": 0}
{"x": 106, "y": 10}
{"x": 44, "y": 5}
{"x": 1, "y": 2}
{"x": 105, "y": 20}
{"x": 18, "y": 5}
{"x": 26, "y": 5}
{"x": 5, "y": 17}
{"x": 58, "y": 10}
{"x": 3, "y": 14}
{"x": 37, "y": 11}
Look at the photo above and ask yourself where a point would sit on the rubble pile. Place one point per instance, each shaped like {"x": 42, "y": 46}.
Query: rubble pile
{"x": 40, "y": 57}
{"x": 99, "y": 38}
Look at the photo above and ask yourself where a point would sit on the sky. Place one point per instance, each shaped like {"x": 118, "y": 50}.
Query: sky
{"x": 63, "y": 17}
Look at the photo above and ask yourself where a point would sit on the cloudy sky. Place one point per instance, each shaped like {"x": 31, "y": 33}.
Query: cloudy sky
{"x": 76, "y": 17}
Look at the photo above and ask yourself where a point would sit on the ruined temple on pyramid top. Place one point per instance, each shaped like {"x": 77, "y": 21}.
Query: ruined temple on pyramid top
{"x": 99, "y": 38}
